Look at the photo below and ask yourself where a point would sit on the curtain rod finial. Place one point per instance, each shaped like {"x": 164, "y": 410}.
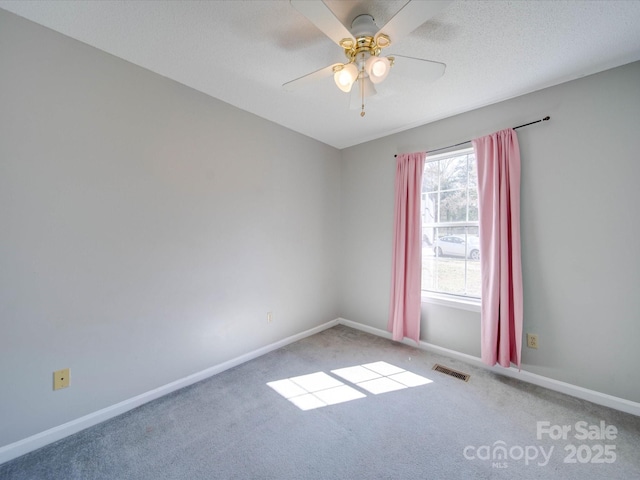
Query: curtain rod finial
{"x": 546, "y": 118}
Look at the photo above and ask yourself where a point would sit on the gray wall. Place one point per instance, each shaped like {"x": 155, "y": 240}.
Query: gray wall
{"x": 580, "y": 229}
{"x": 147, "y": 229}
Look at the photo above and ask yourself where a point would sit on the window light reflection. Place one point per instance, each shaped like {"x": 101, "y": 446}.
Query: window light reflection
{"x": 316, "y": 390}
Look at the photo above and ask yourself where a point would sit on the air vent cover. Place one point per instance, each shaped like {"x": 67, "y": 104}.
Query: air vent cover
{"x": 449, "y": 371}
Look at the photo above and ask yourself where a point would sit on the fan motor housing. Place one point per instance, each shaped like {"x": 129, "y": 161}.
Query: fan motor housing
{"x": 363, "y": 28}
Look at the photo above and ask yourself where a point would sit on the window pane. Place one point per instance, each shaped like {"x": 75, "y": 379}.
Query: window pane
{"x": 451, "y": 262}
{"x": 453, "y": 173}
{"x": 453, "y": 206}
{"x": 430, "y": 178}
{"x": 443, "y": 264}
{"x": 429, "y": 208}
{"x": 428, "y": 237}
{"x": 473, "y": 205}
{"x": 473, "y": 172}
{"x": 472, "y": 250}
{"x": 450, "y": 255}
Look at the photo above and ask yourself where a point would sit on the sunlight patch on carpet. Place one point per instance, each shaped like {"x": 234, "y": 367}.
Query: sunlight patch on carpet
{"x": 380, "y": 377}
{"x": 316, "y": 390}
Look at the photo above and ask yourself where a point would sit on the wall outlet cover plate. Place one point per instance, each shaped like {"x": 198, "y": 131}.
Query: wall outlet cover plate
{"x": 61, "y": 379}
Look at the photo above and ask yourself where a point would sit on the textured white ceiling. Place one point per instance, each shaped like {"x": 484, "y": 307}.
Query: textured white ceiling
{"x": 242, "y": 52}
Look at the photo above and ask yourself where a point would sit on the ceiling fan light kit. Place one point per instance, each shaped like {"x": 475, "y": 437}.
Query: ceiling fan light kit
{"x": 363, "y": 44}
{"x": 365, "y": 62}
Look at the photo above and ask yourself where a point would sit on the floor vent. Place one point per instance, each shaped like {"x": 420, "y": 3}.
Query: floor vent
{"x": 454, "y": 373}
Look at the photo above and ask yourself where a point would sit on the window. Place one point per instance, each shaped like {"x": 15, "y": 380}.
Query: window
{"x": 450, "y": 242}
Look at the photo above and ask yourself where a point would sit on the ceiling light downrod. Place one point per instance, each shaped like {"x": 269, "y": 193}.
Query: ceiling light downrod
{"x": 365, "y": 63}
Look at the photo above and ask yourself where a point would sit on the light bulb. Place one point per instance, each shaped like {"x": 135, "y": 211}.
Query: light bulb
{"x": 378, "y": 69}
{"x": 344, "y": 79}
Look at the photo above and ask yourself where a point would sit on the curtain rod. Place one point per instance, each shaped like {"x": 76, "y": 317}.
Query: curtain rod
{"x": 468, "y": 141}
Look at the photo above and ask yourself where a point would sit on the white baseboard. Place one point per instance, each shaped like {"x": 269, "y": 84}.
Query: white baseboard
{"x": 575, "y": 391}
{"x": 26, "y": 445}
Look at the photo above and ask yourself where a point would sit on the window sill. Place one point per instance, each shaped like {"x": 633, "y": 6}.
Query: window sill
{"x": 470, "y": 304}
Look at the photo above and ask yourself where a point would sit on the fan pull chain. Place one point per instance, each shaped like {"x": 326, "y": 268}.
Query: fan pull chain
{"x": 362, "y": 95}
{"x": 362, "y": 85}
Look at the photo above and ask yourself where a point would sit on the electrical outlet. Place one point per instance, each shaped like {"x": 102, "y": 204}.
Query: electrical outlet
{"x": 61, "y": 379}
{"x": 269, "y": 317}
{"x": 532, "y": 340}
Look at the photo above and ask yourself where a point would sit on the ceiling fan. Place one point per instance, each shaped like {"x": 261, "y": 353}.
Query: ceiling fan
{"x": 363, "y": 45}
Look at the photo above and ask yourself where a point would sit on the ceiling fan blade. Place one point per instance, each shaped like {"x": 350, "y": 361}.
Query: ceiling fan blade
{"x": 323, "y": 18}
{"x": 417, "y": 68}
{"x": 310, "y": 78}
{"x": 410, "y": 17}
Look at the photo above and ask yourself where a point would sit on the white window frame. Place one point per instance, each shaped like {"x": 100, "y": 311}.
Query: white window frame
{"x": 448, "y": 299}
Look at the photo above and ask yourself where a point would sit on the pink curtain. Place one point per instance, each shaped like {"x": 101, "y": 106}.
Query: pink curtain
{"x": 404, "y": 311}
{"x": 498, "y": 157}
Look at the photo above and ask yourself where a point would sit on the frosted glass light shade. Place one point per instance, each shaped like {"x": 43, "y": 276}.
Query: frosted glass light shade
{"x": 368, "y": 87}
{"x": 377, "y": 68}
{"x": 345, "y": 77}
